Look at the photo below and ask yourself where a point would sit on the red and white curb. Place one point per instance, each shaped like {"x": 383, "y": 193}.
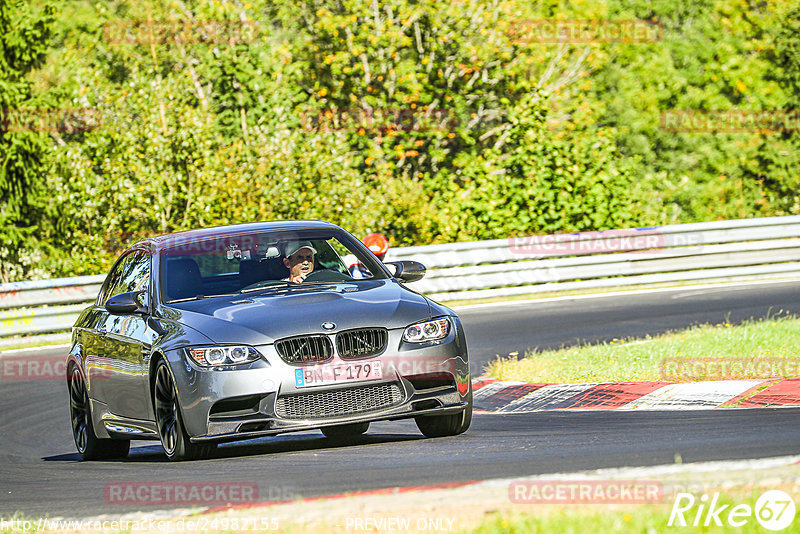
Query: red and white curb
{"x": 517, "y": 397}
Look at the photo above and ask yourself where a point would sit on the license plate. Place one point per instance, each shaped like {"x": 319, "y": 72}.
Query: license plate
{"x": 320, "y": 375}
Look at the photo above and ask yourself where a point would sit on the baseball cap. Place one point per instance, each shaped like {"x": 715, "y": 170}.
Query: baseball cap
{"x": 293, "y": 246}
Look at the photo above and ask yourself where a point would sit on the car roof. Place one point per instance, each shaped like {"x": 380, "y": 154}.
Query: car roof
{"x": 188, "y": 236}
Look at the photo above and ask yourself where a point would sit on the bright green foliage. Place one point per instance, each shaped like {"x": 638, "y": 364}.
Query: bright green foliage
{"x": 23, "y": 44}
{"x": 553, "y": 180}
{"x": 428, "y": 120}
{"x": 438, "y": 94}
{"x": 713, "y": 56}
{"x": 778, "y": 158}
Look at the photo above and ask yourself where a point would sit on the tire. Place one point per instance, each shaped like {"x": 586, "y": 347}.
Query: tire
{"x": 438, "y": 426}
{"x": 89, "y": 446}
{"x": 345, "y": 431}
{"x": 169, "y": 421}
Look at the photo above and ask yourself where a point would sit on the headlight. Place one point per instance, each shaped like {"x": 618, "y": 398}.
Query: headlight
{"x": 427, "y": 331}
{"x": 230, "y": 355}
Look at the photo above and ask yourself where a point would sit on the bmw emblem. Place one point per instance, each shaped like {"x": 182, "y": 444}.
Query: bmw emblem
{"x": 328, "y": 326}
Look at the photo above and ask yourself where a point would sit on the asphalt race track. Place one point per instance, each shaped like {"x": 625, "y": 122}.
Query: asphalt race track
{"x": 40, "y": 472}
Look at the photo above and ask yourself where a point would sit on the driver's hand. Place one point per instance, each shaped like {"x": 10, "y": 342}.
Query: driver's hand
{"x": 299, "y": 278}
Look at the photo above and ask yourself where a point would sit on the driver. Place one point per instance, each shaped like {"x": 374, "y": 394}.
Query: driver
{"x": 299, "y": 259}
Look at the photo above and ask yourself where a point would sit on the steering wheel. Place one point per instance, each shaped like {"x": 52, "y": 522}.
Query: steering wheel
{"x": 327, "y": 275}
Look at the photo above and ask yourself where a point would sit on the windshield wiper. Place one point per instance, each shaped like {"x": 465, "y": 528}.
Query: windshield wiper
{"x": 272, "y": 285}
{"x": 199, "y": 297}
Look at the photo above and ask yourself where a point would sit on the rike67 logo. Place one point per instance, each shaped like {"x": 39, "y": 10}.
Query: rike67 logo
{"x": 774, "y": 510}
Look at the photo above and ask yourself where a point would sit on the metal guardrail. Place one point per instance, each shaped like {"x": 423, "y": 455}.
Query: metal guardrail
{"x": 715, "y": 251}
{"x": 44, "y": 306}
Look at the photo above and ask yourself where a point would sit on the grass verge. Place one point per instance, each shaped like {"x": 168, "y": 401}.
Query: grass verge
{"x": 769, "y": 348}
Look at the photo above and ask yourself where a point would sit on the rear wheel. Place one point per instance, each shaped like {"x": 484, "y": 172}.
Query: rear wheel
{"x": 88, "y": 444}
{"x": 171, "y": 431}
{"x": 345, "y": 431}
{"x": 437, "y": 426}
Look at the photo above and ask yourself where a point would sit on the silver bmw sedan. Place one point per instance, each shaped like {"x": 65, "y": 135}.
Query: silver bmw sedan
{"x": 221, "y": 334}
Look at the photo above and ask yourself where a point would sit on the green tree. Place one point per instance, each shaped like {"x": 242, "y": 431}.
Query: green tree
{"x": 431, "y": 121}
{"x": 778, "y": 154}
{"x": 710, "y": 56}
{"x": 24, "y": 37}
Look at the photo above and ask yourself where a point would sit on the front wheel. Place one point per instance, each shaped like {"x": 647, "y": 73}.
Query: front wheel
{"x": 437, "y": 426}
{"x": 171, "y": 431}
{"x": 89, "y": 446}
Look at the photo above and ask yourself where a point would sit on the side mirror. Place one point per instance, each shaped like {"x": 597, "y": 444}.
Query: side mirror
{"x": 125, "y": 303}
{"x": 407, "y": 270}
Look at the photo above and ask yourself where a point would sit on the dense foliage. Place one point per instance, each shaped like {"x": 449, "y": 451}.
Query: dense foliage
{"x": 23, "y": 42}
{"x": 428, "y": 120}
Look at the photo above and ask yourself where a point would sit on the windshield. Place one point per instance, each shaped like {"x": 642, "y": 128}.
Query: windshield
{"x": 252, "y": 262}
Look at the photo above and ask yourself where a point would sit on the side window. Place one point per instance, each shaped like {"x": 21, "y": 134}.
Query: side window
{"x": 130, "y": 274}
{"x": 111, "y": 281}
{"x": 135, "y": 275}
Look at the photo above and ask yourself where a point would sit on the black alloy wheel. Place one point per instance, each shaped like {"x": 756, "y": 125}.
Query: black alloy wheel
{"x": 88, "y": 444}
{"x": 174, "y": 438}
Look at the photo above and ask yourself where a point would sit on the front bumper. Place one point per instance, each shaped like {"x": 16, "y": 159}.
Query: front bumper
{"x": 240, "y": 403}
{"x": 267, "y": 423}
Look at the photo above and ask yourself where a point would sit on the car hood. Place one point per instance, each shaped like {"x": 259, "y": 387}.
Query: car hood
{"x": 262, "y": 317}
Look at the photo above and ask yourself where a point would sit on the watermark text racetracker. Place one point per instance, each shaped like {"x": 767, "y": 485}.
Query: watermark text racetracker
{"x": 585, "y": 491}
{"x": 693, "y": 369}
{"x": 372, "y": 120}
{"x": 640, "y": 240}
{"x": 180, "y": 32}
{"x": 162, "y": 493}
{"x": 730, "y": 121}
{"x": 434, "y": 369}
{"x": 550, "y": 31}
{"x": 180, "y": 493}
{"x": 25, "y": 367}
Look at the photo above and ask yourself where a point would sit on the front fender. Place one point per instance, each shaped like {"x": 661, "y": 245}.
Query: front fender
{"x": 197, "y": 389}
